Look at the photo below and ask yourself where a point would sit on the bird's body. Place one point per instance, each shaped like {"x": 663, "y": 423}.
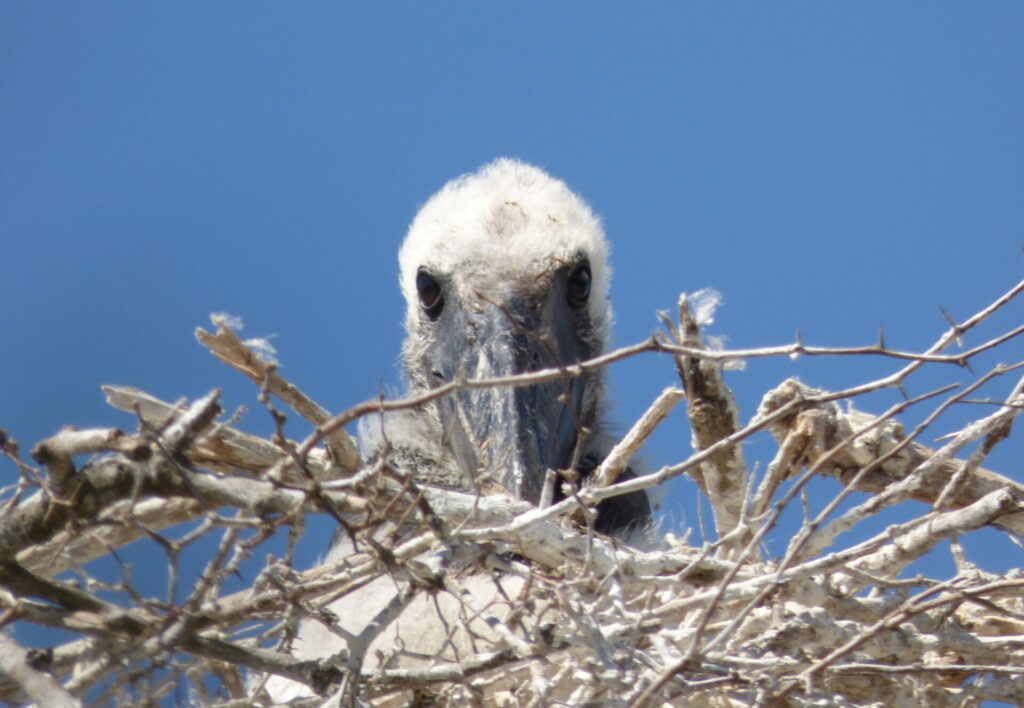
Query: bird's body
{"x": 504, "y": 272}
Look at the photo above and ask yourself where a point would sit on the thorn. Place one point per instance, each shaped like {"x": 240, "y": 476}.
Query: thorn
{"x": 903, "y": 391}
{"x": 799, "y": 338}
{"x": 952, "y": 324}
{"x": 881, "y": 337}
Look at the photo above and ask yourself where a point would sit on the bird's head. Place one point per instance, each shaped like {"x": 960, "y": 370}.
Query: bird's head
{"x": 506, "y": 271}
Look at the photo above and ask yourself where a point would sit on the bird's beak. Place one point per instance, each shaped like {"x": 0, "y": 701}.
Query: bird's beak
{"x": 511, "y": 434}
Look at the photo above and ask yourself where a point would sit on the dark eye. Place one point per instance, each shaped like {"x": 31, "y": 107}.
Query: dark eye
{"x": 578, "y": 288}
{"x": 431, "y": 297}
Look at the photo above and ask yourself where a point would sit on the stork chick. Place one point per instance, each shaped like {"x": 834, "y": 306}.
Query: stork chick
{"x": 504, "y": 272}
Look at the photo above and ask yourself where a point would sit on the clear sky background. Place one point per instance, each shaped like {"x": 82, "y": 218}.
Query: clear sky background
{"x": 828, "y": 167}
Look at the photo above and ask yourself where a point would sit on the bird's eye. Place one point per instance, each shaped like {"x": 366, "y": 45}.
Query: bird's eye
{"x": 578, "y": 288}
{"x": 431, "y": 297}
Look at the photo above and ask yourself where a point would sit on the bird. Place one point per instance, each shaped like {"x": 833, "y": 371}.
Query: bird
{"x": 504, "y": 271}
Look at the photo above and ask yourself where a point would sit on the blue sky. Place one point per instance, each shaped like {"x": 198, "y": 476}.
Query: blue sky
{"x": 828, "y": 167}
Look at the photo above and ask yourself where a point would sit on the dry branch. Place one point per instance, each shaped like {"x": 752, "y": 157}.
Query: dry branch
{"x": 714, "y": 417}
{"x": 226, "y": 346}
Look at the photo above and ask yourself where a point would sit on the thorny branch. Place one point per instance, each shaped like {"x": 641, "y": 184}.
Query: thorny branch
{"x": 532, "y": 609}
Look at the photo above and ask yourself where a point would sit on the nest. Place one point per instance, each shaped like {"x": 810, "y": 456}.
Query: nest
{"x": 443, "y": 597}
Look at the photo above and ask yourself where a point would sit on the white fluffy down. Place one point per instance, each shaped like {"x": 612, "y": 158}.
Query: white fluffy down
{"x": 504, "y": 224}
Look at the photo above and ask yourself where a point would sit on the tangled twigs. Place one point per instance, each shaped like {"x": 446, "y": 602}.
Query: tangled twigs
{"x": 882, "y": 460}
{"x": 450, "y": 598}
